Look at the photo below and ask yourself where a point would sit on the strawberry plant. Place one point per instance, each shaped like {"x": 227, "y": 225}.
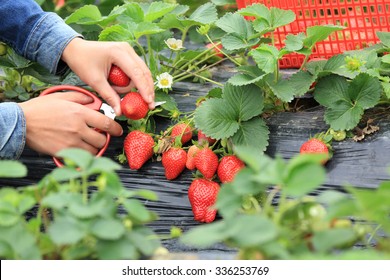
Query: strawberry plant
{"x": 269, "y": 212}
{"x": 80, "y": 211}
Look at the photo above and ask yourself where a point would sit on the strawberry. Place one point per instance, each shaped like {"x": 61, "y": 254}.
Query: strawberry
{"x": 133, "y": 106}
{"x": 202, "y": 137}
{"x": 117, "y": 77}
{"x": 174, "y": 162}
{"x": 315, "y": 146}
{"x": 206, "y": 161}
{"x": 216, "y": 49}
{"x": 202, "y": 195}
{"x": 228, "y": 168}
{"x": 138, "y": 148}
{"x": 183, "y": 131}
{"x": 192, "y": 151}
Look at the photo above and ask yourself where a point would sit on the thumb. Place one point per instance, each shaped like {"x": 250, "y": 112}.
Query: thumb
{"x": 73, "y": 96}
{"x": 104, "y": 89}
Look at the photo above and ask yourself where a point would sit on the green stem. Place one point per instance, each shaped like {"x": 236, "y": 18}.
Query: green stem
{"x": 304, "y": 62}
{"x": 84, "y": 188}
{"x": 142, "y": 50}
{"x": 225, "y": 54}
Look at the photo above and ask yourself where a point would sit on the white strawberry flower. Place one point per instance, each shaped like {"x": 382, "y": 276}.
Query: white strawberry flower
{"x": 174, "y": 44}
{"x": 164, "y": 80}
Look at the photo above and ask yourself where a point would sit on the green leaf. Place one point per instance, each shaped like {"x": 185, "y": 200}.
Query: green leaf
{"x": 103, "y": 164}
{"x": 147, "y": 194}
{"x": 249, "y": 75}
{"x": 234, "y": 23}
{"x": 146, "y": 28}
{"x": 345, "y": 101}
{"x": 384, "y": 37}
{"x": 157, "y": 10}
{"x": 65, "y": 174}
{"x": 266, "y": 57}
{"x": 258, "y": 230}
{"x": 216, "y": 118}
{"x": 137, "y": 210}
{"x": 386, "y": 58}
{"x": 297, "y": 85}
{"x": 343, "y": 116}
{"x": 81, "y": 158}
{"x": 12, "y": 169}
{"x": 365, "y": 90}
{"x": 20, "y": 241}
{"x": 82, "y": 210}
{"x": 294, "y": 42}
{"x": 247, "y": 101}
{"x": 234, "y": 42}
{"x": 66, "y": 231}
{"x": 87, "y": 14}
{"x": 303, "y": 178}
{"x": 145, "y": 240}
{"x": 281, "y": 17}
{"x": 324, "y": 241}
{"x": 256, "y": 161}
{"x": 205, "y": 14}
{"x": 330, "y": 90}
{"x": 319, "y": 33}
{"x": 108, "y": 229}
{"x": 116, "y": 33}
{"x": 121, "y": 249}
{"x": 58, "y": 200}
{"x": 205, "y": 235}
{"x": 257, "y": 11}
{"x": 228, "y": 202}
{"x": 9, "y": 215}
{"x": 253, "y": 133}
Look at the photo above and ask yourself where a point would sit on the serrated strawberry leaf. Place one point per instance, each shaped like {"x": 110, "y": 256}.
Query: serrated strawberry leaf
{"x": 297, "y": 85}
{"x": 216, "y": 118}
{"x": 132, "y": 12}
{"x": 266, "y": 57}
{"x": 90, "y": 15}
{"x": 253, "y": 133}
{"x": 222, "y": 117}
{"x": 249, "y": 75}
{"x": 345, "y": 102}
{"x": 233, "y": 42}
{"x": 247, "y": 101}
{"x": 384, "y": 37}
{"x": 205, "y": 14}
{"x": 281, "y": 17}
{"x": 116, "y": 33}
{"x": 318, "y": 33}
{"x": 157, "y": 10}
{"x": 294, "y": 42}
{"x": 236, "y": 24}
{"x": 257, "y": 11}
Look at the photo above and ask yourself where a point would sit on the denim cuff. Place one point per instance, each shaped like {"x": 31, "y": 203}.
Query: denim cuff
{"x": 12, "y": 130}
{"x": 47, "y": 41}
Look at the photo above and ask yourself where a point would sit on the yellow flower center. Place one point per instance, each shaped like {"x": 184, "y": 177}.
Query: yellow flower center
{"x": 164, "y": 82}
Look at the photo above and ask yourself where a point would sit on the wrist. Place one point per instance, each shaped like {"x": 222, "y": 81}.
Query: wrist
{"x": 71, "y": 49}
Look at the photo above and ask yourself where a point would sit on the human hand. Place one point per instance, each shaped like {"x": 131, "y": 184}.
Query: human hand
{"x": 92, "y": 62}
{"x": 60, "y": 120}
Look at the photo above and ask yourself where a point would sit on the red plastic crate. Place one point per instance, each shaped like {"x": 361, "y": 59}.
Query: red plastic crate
{"x": 362, "y": 19}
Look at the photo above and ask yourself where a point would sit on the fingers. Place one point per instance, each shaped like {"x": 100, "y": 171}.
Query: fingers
{"x": 105, "y": 90}
{"x": 97, "y": 120}
{"x": 72, "y": 96}
{"x": 137, "y": 70}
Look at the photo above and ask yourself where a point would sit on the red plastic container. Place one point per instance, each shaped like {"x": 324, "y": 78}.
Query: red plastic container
{"x": 362, "y": 19}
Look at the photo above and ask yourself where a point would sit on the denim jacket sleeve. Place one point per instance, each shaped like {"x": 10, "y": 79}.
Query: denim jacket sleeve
{"x": 37, "y": 35}
{"x": 12, "y": 130}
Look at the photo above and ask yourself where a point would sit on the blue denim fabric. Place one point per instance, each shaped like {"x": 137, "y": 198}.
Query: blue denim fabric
{"x": 37, "y": 35}
{"x": 12, "y": 130}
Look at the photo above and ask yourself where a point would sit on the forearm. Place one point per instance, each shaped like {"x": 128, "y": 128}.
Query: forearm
{"x": 12, "y": 130}
{"x": 33, "y": 33}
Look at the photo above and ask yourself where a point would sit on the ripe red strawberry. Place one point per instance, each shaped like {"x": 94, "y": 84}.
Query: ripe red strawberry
{"x": 228, "y": 168}
{"x": 138, "y": 148}
{"x": 182, "y": 130}
{"x": 117, "y": 77}
{"x": 192, "y": 151}
{"x": 315, "y": 146}
{"x": 206, "y": 161}
{"x": 202, "y": 195}
{"x": 133, "y": 106}
{"x": 174, "y": 162}
{"x": 202, "y": 137}
{"x": 216, "y": 50}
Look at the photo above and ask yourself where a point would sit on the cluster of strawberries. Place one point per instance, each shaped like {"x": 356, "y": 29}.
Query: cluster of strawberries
{"x": 140, "y": 147}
